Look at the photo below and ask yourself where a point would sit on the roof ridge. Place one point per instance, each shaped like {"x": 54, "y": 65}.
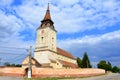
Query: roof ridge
{"x": 64, "y": 53}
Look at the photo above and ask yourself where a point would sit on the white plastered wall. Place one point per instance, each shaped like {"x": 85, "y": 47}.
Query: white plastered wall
{"x": 42, "y": 57}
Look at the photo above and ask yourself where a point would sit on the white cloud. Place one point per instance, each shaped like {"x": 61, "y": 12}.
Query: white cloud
{"x": 87, "y": 16}
{"x": 76, "y": 15}
{"x": 101, "y": 47}
{"x": 9, "y": 25}
{"x": 28, "y": 14}
{"x": 94, "y": 39}
{"x": 5, "y": 3}
{"x": 68, "y": 2}
{"x": 69, "y": 16}
{"x": 10, "y": 28}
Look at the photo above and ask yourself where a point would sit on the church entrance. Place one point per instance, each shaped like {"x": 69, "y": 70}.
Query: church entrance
{"x": 26, "y": 72}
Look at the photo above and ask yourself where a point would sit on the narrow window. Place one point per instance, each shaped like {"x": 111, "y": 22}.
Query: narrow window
{"x": 42, "y": 38}
{"x": 52, "y": 39}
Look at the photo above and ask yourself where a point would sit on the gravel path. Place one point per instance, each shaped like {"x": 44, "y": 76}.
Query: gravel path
{"x": 10, "y": 78}
{"x": 110, "y": 76}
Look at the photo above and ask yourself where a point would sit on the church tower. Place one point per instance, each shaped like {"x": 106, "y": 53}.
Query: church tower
{"x": 45, "y": 39}
{"x": 46, "y": 34}
{"x": 46, "y": 52}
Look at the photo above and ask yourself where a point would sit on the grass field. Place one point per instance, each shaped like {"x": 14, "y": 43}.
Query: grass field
{"x": 54, "y": 78}
{"x": 41, "y": 79}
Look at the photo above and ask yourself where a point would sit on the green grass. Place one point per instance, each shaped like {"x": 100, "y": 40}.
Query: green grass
{"x": 52, "y": 78}
{"x": 41, "y": 79}
{"x": 56, "y": 78}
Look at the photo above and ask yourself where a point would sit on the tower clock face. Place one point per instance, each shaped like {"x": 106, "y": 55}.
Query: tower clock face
{"x": 42, "y": 31}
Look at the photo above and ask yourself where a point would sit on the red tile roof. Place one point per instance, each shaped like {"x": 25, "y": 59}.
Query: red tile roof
{"x": 64, "y": 53}
{"x": 47, "y": 15}
{"x": 36, "y": 61}
{"x": 65, "y": 63}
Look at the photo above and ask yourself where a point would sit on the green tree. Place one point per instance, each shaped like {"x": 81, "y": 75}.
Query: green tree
{"x": 85, "y": 61}
{"x": 109, "y": 67}
{"x": 79, "y": 62}
{"x": 13, "y": 65}
{"x": 18, "y": 65}
{"x": 104, "y": 65}
{"x": 7, "y": 64}
{"x": 115, "y": 69}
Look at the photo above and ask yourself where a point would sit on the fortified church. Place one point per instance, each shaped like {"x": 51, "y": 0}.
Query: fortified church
{"x": 46, "y": 53}
{"x": 47, "y": 56}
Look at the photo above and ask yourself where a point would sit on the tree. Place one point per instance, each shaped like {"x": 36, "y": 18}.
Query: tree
{"x": 18, "y": 65}
{"x": 109, "y": 66}
{"x": 7, "y": 64}
{"x": 79, "y": 62}
{"x": 115, "y": 69}
{"x": 12, "y": 65}
{"x": 104, "y": 65}
{"x": 85, "y": 61}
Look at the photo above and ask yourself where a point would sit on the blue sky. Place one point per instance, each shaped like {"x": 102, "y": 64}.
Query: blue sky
{"x": 91, "y": 26}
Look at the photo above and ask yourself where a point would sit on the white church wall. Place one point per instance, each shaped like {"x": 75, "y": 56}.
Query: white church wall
{"x": 60, "y": 57}
{"x": 42, "y": 57}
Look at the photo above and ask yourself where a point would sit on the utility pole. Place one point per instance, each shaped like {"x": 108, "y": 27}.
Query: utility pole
{"x": 30, "y": 64}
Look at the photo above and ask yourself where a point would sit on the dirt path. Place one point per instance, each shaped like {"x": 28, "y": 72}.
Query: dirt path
{"x": 10, "y": 78}
{"x": 110, "y": 76}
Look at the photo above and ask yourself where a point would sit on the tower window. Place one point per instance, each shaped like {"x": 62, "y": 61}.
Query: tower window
{"x": 52, "y": 39}
{"x": 48, "y": 24}
{"x": 42, "y": 38}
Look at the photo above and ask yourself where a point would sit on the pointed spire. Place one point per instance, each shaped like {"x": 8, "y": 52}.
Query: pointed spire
{"x": 47, "y": 22}
{"x": 48, "y": 7}
{"x": 47, "y": 15}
